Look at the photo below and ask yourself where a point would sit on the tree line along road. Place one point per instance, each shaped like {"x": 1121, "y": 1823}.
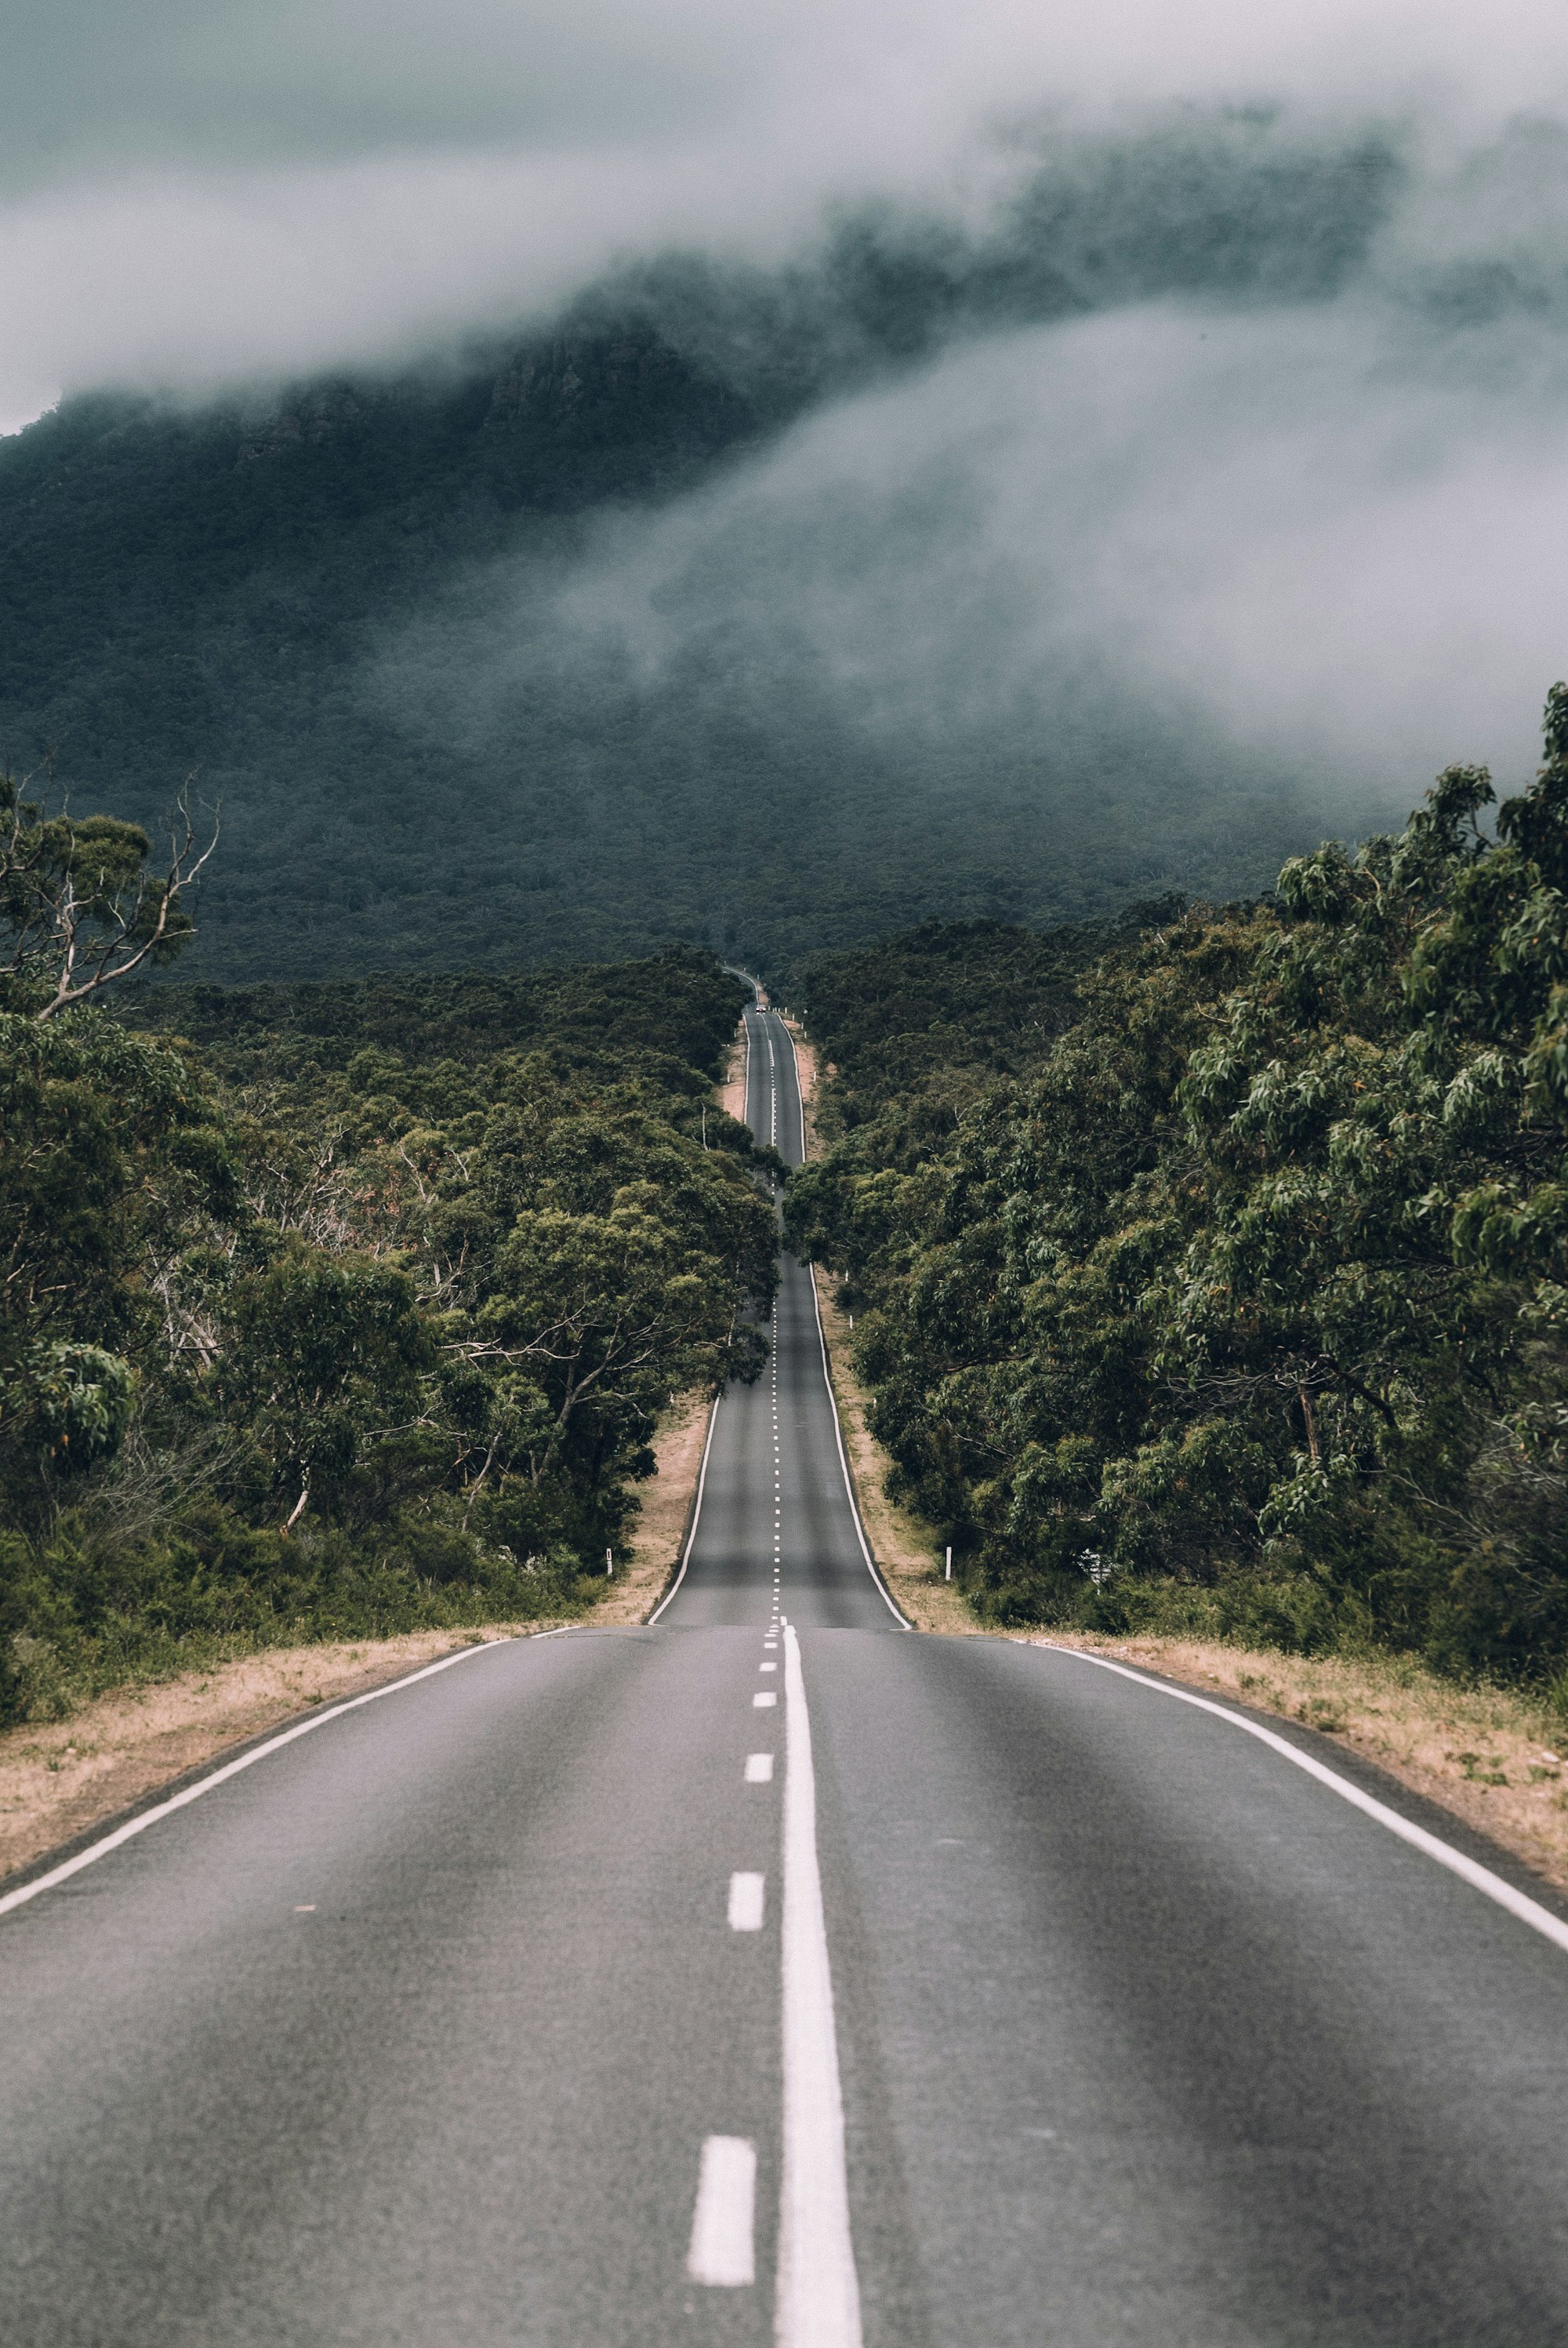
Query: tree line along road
{"x": 772, "y": 1972}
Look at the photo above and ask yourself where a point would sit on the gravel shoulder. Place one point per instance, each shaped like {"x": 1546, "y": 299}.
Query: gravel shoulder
{"x": 904, "y": 1548}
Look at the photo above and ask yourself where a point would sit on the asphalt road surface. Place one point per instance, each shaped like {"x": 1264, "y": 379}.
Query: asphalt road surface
{"x": 773, "y": 1972}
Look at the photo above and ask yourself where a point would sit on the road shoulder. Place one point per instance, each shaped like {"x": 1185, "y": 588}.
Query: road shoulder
{"x": 904, "y": 1548}
{"x": 61, "y": 1779}
{"x": 664, "y": 1513}
{"x": 1491, "y": 1756}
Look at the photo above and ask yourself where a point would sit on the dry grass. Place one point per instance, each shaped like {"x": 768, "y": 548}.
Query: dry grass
{"x": 805, "y": 1069}
{"x": 903, "y": 1547}
{"x": 666, "y": 1500}
{"x": 58, "y": 1781}
{"x": 1493, "y": 1757}
{"x": 732, "y": 1091}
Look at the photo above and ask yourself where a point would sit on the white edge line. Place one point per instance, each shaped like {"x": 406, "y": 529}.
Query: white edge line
{"x": 145, "y": 1819}
{"x": 818, "y": 2302}
{"x": 696, "y": 1513}
{"x": 1481, "y": 1879}
{"x": 902, "y": 1620}
{"x": 794, "y": 1064}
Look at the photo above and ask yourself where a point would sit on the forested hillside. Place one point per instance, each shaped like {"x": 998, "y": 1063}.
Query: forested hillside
{"x": 384, "y": 619}
{"x": 336, "y": 1310}
{"x": 1239, "y": 1304}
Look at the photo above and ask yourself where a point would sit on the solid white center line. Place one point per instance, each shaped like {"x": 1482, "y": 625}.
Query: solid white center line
{"x": 746, "y": 1903}
{"x": 759, "y": 1768}
{"x": 721, "y": 2252}
{"x": 764, "y": 1699}
{"x": 818, "y": 2291}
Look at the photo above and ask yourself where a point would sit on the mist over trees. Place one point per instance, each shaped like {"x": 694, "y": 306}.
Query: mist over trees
{"x": 365, "y": 611}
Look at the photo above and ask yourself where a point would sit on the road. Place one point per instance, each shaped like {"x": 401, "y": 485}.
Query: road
{"x": 965, "y": 1994}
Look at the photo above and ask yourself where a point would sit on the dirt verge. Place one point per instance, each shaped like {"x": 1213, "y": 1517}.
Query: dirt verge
{"x": 903, "y": 1547}
{"x": 805, "y": 1073}
{"x": 1490, "y": 1755}
{"x": 733, "y": 1090}
{"x": 666, "y": 1508}
{"x": 58, "y": 1780}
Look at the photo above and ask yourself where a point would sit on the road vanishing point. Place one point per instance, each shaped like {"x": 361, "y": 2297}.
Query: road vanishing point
{"x": 772, "y": 1972}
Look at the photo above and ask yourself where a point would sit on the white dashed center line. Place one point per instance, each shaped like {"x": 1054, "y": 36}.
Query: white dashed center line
{"x": 746, "y": 1897}
{"x": 722, "y": 2251}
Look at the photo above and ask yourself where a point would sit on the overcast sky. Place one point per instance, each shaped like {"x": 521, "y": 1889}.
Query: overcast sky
{"x": 198, "y": 190}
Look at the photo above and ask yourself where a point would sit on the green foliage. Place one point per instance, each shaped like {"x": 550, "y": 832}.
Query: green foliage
{"x": 1256, "y": 1284}
{"x": 341, "y": 1311}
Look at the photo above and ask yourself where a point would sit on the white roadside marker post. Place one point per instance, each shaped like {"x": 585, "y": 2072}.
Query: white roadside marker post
{"x": 609, "y": 1562}
{"x": 948, "y": 1575}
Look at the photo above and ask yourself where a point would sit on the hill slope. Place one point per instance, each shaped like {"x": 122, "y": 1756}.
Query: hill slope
{"x": 379, "y": 618}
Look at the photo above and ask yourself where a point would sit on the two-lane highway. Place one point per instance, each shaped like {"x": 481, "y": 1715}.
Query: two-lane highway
{"x": 776, "y": 1490}
{"x": 774, "y": 1972}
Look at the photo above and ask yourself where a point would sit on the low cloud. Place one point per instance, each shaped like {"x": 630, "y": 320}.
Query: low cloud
{"x": 1314, "y": 541}
{"x": 1156, "y": 440}
{"x": 194, "y": 191}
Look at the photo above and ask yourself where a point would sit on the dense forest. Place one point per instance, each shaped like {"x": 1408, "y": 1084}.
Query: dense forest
{"x": 1214, "y": 1275}
{"x": 380, "y": 618}
{"x": 334, "y": 1309}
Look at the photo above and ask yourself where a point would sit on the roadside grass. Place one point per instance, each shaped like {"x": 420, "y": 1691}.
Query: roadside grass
{"x": 192, "y": 1700}
{"x": 665, "y": 1503}
{"x": 904, "y": 1548}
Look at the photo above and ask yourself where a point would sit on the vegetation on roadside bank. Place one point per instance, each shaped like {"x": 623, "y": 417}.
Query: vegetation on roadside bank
{"x": 1237, "y": 1305}
{"x": 333, "y": 1311}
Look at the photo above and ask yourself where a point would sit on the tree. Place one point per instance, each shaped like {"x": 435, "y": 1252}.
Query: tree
{"x": 104, "y": 1139}
{"x": 324, "y": 1350}
{"x": 79, "y": 906}
{"x": 1261, "y": 1284}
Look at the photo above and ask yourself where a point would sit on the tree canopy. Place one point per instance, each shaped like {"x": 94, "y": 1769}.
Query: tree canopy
{"x": 349, "y": 1308}
{"x": 1256, "y": 1282}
